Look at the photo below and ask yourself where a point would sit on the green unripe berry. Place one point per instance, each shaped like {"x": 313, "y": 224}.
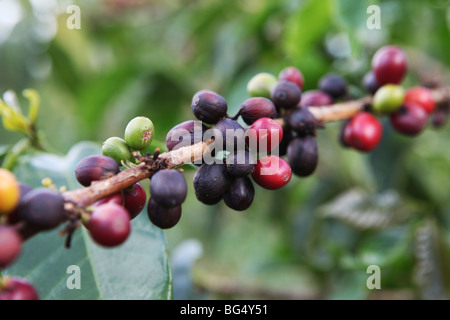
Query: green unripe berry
{"x": 388, "y": 98}
{"x": 117, "y": 149}
{"x": 139, "y": 133}
{"x": 261, "y": 85}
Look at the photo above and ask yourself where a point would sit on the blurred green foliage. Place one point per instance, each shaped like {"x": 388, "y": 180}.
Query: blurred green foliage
{"x": 148, "y": 57}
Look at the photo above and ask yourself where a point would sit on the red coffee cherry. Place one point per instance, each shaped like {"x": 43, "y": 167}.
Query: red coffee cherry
{"x": 109, "y": 225}
{"x": 17, "y": 289}
{"x": 389, "y": 64}
{"x": 292, "y": 74}
{"x": 410, "y": 119}
{"x": 10, "y": 245}
{"x": 365, "y": 132}
{"x": 345, "y": 134}
{"x": 116, "y": 198}
{"x": 135, "y": 198}
{"x": 421, "y": 96}
{"x": 263, "y": 132}
{"x": 272, "y": 172}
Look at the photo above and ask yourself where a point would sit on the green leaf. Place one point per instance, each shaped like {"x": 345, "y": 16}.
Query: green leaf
{"x": 138, "y": 269}
{"x": 307, "y": 26}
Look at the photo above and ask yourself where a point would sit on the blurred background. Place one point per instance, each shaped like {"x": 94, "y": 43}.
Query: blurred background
{"x": 315, "y": 238}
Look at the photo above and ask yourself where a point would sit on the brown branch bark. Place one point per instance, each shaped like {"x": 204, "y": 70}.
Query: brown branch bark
{"x": 98, "y": 190}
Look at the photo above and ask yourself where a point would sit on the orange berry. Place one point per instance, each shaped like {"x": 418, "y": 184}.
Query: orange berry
{"x": 9, "y": 191}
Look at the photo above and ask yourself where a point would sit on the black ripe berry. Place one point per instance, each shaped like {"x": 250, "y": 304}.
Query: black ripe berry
{"x": 168, "y": 188}
{"x": 161, "y": 216}
{"x": 211, "y": 181}
{"x": 240, "y": 163}
{"x": 285, "y": 94}
{"x": 302, "y": 121}
{"x": 208, "y": 106}
{"x": 42, "y": 208}
{"x": 334, "y": 85}
{"x": 95, "y": 168}
{"x": 370, "y": 82}
{"x": 302, "y": 155}
{"x": 240, "y": 194}
{"x": 256, "y": 108}
{"x": 231, "y": 133}
{"x": 287, "y": 137}
{"x": 185, "y": 134}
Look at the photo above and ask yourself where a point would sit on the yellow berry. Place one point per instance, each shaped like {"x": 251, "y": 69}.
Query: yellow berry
{"x": 9, "y": 192}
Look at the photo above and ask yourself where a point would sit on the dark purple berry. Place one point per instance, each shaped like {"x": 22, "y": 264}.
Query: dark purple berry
{"x": 185, "y": 134}
{"x": 240, "y": 195}
{"x": 302, "y": 121}
{"x": 168, "y": 188}
{"x": 211, "y": 181}
{"x": 334, "y": 85}
{"x": 302, "y": 155}
{"x": 287, "y": 137}
{"x": 208, "y": 106}
{"x": 439, "y": 118}
{"x": 370, "y": 82}
{"x": 231, "y": 133}
{"x": 285, "y": 95}
{"x": 42, "y": 208}
{"x": 135, "y": 199}
{"x": 256, "y": 108}
{"x": 315, "y": 98}
{"x": 162, "y": 217}
{"x": 94, "y": 168}
{"x": 240, "y": 163}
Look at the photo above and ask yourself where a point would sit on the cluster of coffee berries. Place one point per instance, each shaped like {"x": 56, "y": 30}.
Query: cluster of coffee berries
{"x": 21, "y": 210}
{"x": 108, "y": 220}
{"x": 408, "y": 110}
